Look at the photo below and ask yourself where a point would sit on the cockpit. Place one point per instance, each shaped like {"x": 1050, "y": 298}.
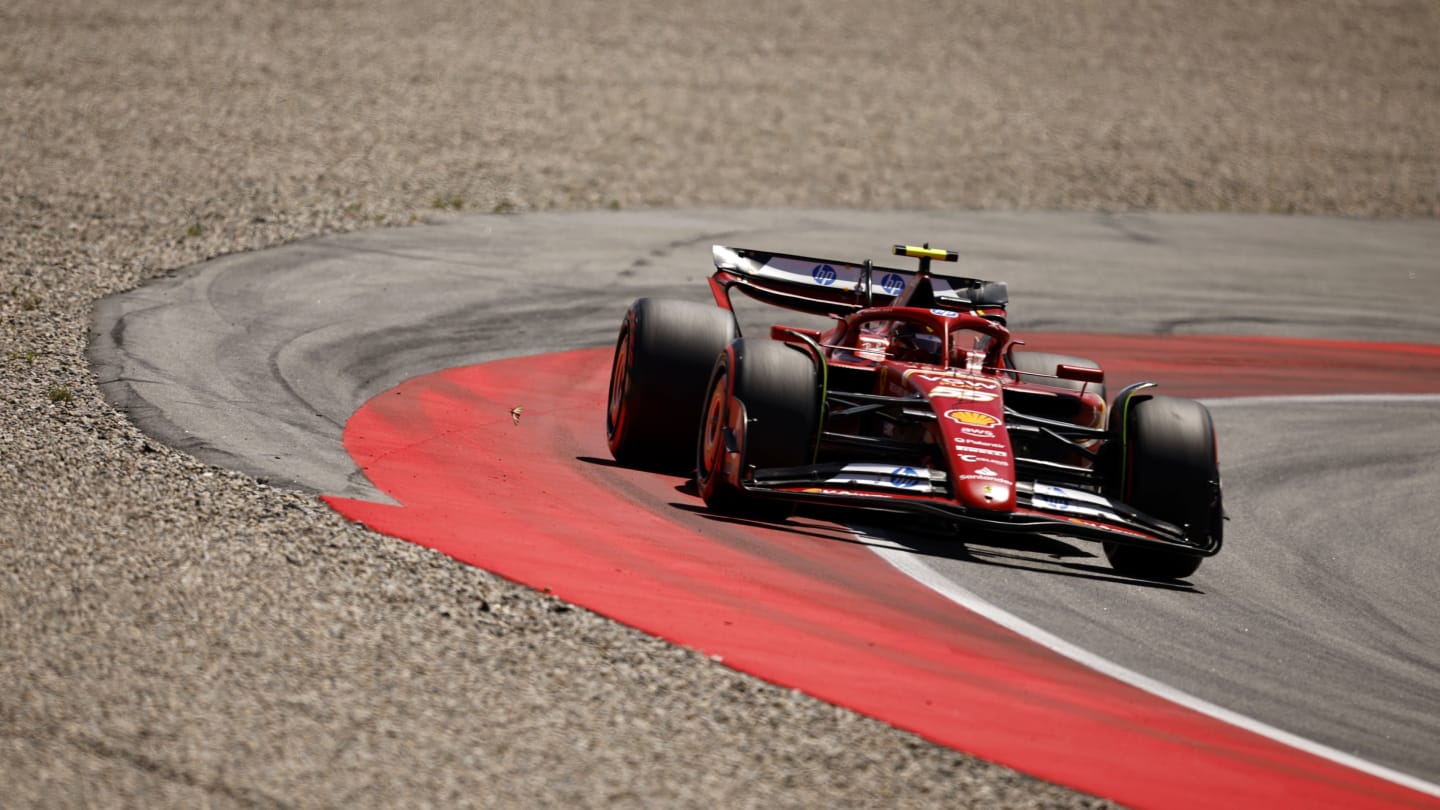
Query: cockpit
{"x": 915, "y": 340}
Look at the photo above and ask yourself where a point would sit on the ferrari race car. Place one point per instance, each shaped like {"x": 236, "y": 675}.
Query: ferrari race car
{"x": 915, "y": 401}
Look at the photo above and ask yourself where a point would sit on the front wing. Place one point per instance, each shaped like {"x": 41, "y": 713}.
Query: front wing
{"x": 1041, "y": 508}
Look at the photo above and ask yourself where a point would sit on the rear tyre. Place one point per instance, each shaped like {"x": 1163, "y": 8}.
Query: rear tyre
{"x": 766, "y": 395}
{"x": 1166, "y": 468}
{"x": 662, "y": 361}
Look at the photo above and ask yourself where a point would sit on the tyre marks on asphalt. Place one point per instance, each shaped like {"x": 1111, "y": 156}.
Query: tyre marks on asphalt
{"x": 804, "y": 604}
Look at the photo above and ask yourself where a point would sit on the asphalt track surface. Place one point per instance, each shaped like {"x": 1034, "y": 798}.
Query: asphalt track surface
{"x": 1318, "y": 617}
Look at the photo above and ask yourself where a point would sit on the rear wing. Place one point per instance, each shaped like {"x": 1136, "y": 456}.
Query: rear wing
{"x": 830, "y": 287}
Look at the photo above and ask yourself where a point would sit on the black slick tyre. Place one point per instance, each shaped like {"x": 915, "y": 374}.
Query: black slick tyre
{"x": 662, "y": 361}
{"x": 1166, "y": 468}
{"x": 765, "y": 395}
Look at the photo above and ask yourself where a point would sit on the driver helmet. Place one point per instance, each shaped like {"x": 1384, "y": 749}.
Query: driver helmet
{"x": 913, "y": 343}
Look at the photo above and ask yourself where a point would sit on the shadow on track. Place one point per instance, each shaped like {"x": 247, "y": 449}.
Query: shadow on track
{"x": 1037, "y": 553}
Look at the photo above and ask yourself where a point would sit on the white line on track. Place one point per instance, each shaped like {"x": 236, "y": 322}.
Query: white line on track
{"x": 914, "y": 566}
{"x": 1323, "y": 399}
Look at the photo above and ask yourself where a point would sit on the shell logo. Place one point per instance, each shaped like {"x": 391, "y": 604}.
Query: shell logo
{"x": 965, "y": 417}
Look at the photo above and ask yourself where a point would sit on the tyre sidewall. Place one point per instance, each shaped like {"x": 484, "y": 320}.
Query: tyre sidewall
{"x": 662, "y": 362}
{"x": 1167, "y": 468}
{"x": 769, "y": 393}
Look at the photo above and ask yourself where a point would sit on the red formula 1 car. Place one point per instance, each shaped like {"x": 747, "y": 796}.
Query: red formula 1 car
{"x": 915, "y": 401}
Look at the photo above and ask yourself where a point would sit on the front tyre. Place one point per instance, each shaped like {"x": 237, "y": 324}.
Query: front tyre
{"x": 1167, "y": 468}
{"x": 662, "y": 361}
{"x": 764, "y": 401}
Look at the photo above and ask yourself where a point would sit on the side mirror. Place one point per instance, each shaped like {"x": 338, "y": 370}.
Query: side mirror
{"x": 1080, "y": 373}
{"x": 789, "y": 333}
